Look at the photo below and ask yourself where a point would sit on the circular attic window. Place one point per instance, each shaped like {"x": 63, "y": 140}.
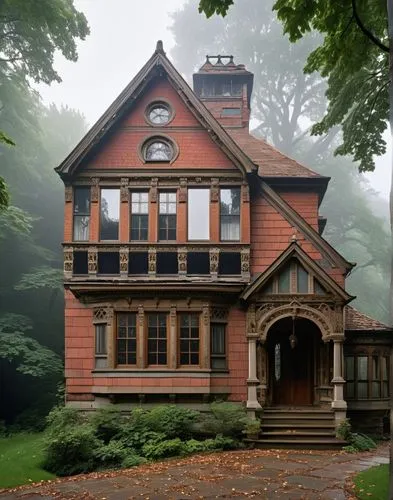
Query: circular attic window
{"x": 159, "y": 113}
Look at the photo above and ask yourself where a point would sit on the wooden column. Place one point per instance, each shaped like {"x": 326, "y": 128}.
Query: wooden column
{"x": 205, "y": 337}
{"x": 245, "y": 222}
{"x": 338, "y": 404}
{"x": 153, "y": 211}
{"x": 182, "y": 223}
{"x": 68, "y": 214}
{"x": 140, "y": 338}
{"x": 172, "y": 360}
{"x": 95, "y": 211}
{"x": 124, "y": 229}
{"x": 214, "y": 211}
{"x": 111, "y": 338}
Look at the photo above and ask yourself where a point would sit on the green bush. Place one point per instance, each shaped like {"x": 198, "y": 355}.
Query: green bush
{"x": 362, "y": 442}
{"x": 133, "y": 461}
{"x": 229, "y": 418}
{"x": 225, "y": 443}
{"x": 163, "y": 449}
{"x": 111, "y": 455}
{"x": 62, "y": 418}
{"x": 194, "y": 446}
{"x": 343, "y": 431}
{"x": 108, "y": 423}
{"x": 71, "y": 451}
{"x": 174, "y": 421}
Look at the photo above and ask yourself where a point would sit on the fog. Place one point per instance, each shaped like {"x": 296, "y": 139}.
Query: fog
{"x": 123, "y": 36}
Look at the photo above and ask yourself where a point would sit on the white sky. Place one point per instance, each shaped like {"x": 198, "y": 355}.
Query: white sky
{"x": 123, "y": 37}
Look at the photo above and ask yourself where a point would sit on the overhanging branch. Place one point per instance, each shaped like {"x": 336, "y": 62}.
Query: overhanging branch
{"x": 367, "y": 32}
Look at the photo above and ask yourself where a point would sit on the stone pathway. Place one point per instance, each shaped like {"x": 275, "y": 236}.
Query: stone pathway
{"x": 261, "y": 474}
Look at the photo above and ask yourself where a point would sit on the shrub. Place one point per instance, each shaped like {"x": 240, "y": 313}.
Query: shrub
{"x": 194, "y": 446}
{"x": 343, "y": 431}
{"x": 163, "y": 449}
{"x": 225, "y": 443}
{"x": 173, "y": 421}
{"x": 71, "y": 451}
{"x": 111, "y": 454}
{"x": 107, "y": 422}
{"x": 362, "y": 442}
{"x": 62, "y": 418}
{"x": 252, "y": 426}
{"x": 230, "y": 417}
{"x": 132, "y": 461}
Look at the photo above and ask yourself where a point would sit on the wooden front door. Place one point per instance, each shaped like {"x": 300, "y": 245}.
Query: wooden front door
{"x": 292, "y": 369}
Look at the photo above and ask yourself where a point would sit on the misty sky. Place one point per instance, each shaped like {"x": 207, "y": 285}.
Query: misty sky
{"x": 123, "y": 36}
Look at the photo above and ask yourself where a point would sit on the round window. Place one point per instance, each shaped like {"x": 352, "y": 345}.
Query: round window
{"x": 158, "y": 150}
{"x": 159, "y": 113}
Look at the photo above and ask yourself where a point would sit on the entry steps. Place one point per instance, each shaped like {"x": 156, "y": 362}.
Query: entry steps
{"x": 298, "y": 428}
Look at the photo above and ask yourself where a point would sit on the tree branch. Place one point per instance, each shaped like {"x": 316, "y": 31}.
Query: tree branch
{"x": 367, "y": 32}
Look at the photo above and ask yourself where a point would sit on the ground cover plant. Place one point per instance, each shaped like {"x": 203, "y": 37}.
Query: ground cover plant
{"x": 108, "y": 438}
{"x": 356, "y": 440}
{"x": 21, "y": 456}
{"x": 373, "y": 483}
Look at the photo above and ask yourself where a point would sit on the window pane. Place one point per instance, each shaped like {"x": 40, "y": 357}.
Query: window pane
{"x": 82, "y": 201}
{"x": 157, "y": 341}
{"x": 362, "y": 367}
{"x": 318, "y": 289}
{"x": 375, "y": 368}
{"x": 302, "y": 279}
{"x": 100, "y": 339}
{"x": 384, "y": 361}
{"x": 230, "y": 227}
{"x": 81, "y": 227}
{"x": 230, "y": 201}
{"x": 126, "y": 338}
{"x": 110, "y": 210}
{"x": 376, "y": 389}
{"x": 362, "y": 390}
{"x": 350, "y": 389}
{"x": 189, "y": 339}
{"x": 283, "y": 281}
{"x": 349, "y": 368}
{"x": 198, "y": 214}
{"x": 217, "y": 338}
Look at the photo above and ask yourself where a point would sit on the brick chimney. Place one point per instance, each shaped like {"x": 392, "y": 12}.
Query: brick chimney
{"x": 225, "y": 88}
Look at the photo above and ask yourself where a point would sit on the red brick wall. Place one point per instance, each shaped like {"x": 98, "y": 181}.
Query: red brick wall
{"x": 305, "y": 204}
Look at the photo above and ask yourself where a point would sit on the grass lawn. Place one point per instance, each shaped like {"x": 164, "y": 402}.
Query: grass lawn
{"x": 20, "y": 457}
{"x": 373, "y": 483}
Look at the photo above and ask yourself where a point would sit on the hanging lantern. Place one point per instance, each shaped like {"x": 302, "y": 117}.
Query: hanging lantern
{"x": 292, "y": 337}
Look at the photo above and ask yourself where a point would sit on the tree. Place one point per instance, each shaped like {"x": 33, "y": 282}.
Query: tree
{"x": 31, "y": 31}
{"x": 285, "y": 105}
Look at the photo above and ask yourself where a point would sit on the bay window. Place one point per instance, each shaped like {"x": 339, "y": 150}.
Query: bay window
{"x": 366, "y": 376}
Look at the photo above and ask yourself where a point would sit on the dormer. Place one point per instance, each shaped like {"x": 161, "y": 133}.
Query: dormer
{"x": 225, "y": 88}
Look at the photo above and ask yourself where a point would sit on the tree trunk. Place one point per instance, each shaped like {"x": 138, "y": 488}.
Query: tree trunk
{"x": 390, "y": 31}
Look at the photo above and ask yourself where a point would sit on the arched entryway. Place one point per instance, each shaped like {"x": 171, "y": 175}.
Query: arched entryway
{"x": 293, "y": 347}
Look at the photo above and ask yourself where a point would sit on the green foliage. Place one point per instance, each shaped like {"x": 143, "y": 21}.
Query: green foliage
{"x": 343, "y": 431}
{"x": 229, "y": 417}
{"x": 111, "y": 455}
{"x": 172, "y": 420}
{"x": 361, "y": 442}
{"x": 71, "y": 451}
{"x": 108, "y": 423}
{"x": 41, "y": 277}
{"x": 63, "y": 418}
{"x": 132, "y": 461}
{"x": 195, "y": 446}
{"x": 162, "y": 449}
{"x": 210, "y": 7}
{"x": 252, "y": 426}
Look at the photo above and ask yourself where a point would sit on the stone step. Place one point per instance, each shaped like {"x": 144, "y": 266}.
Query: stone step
{"x": 319, "y": 415}
{"x": 303, "y": 409}
{"x": 322, "y": 443}
{"x": 295, "y": 425}
{"x": 295, "y": 434}
{"x": 296, "y": 421}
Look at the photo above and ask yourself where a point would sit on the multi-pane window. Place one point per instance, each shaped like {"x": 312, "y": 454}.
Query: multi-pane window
{"x": 139, "y": 216}
{"x": 109, "y": 214}
{"x": 157, "y": 339}
{"x": 189, "y": 339}
{"x": 100, "y": 346}
{"x": 167, "y": 217}
{"x": 198, "y": 214}
{"x": 81, "y": 213}
{"x": 366, "y": 376}
{"x": 230, "y": 214}
{"x": 218, "y": 346}
{"x": 126, "y": 339}
{"x": 293, "y": 278}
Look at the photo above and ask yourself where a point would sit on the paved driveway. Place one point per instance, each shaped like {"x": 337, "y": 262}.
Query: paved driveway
{"x": 258, "y": 474}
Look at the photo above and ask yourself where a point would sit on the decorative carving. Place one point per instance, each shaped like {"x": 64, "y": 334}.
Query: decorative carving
{"x": 245, "y": 193}
{"x": 214, "y": 190}
{"x": 206, "y": 314}
{"x": 92, "y": 260}
{"x": 183, "y": 190}
{"x": 154, "y": 190}
{"x": 94, "y": 191}
{"x": 141, "y": 315}
{"x": 245, "y": 261}
{"x": 124, "y": 190}
{"x": 124, "y": 253}
{"x": 103, "y": 314}
{"x": 68, "y": 260}
{"x": 219, "y": 314}
{"x": 152, "y": 260}
{"x": 267, "y": 316}
{"x": 214, "y": 254}
{"x": 172, "y": 316}
{"x": 68, "y": 194}
{"x": 251, "y": 320}
{"x": 182, "y": 260}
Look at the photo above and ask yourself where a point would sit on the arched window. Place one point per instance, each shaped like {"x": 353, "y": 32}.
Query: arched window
{"x": 158, "y": 150}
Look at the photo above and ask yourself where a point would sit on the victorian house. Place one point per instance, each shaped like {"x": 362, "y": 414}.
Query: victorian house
{"x": 196, "y": 269}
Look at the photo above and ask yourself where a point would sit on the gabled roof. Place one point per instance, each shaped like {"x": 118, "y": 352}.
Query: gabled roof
{"x": 358, "y": 321}
{"x": 294, "y": 250}
{"x": 310, "y": 233}
{"x": 125, "y": 100}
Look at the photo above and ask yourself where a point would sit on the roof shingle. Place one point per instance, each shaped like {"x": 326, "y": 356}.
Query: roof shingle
{"x": 355, "y": 320}
{"x": 271, "y": 163}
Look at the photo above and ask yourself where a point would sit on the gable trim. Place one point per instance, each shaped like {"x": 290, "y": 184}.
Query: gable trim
{"x": 131, "y": 92}
{"x": 334, "y": 257}
{"x": 308, "y": 263}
